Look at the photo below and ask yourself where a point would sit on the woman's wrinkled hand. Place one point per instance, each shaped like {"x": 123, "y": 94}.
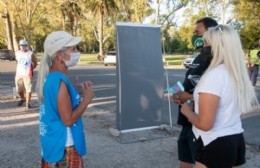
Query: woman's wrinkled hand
{"x": 88, "y": 93}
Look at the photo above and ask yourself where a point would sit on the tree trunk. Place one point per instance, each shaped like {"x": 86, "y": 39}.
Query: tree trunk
{"x": 75, "y": 26}
{"x": 64, "y": 23}
{"x": 127, "y": 13}
{"x": 101, "y": 51}
{"x": 15, "y": 42}
{"x": 157, "y": 12}
{"x": 71, "y": 25}
{"x": 8, "y": 31}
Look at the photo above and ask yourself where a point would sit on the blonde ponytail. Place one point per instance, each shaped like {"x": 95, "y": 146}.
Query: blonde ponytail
{"x": 43, "y": 71}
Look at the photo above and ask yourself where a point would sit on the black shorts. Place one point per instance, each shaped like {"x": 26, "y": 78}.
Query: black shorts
{"x": 187, "y": 145}
{"x": 224, "y": 152}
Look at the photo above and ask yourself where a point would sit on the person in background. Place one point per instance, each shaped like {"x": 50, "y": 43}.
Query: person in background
{"x": 253, "y": 66}
{"x": 223, "y": 93}
{"x": 62, "y": 136}
{"x": 26, "y": 63}
{"x": 186, "y": 141}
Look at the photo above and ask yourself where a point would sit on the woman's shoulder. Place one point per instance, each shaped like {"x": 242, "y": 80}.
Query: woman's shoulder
{"x": 56, "y": 74}
{"x": 218, "y": 69}
{"x": 217, "y": 73}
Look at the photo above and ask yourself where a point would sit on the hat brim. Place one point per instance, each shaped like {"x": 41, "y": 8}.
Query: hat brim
{"x": 73, "y": 42}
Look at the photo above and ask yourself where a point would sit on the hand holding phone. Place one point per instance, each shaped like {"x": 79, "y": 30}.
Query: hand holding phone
{"x": 176, "y": 88}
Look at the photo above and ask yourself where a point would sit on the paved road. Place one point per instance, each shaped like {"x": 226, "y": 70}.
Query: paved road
{"x": 104, "y": 79}
{"x": 103, "y": 148}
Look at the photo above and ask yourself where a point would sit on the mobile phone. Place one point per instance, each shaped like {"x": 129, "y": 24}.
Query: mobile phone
{"x": 176, "y": 88}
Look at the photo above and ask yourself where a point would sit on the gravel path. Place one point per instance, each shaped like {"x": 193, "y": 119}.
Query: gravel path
{"x": 19, "y": 141}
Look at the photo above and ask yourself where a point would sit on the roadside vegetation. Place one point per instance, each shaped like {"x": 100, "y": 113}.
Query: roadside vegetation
{"x": 95, "y": 20}
{"x": 168, "y": 59}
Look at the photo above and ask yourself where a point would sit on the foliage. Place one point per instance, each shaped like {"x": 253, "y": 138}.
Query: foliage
{"x": 34, "y": 19}
{"x": 175, "y": 43}
{"x": 72, "y": 11}
{"x": 248, "y": 12}
{"x": 101, "y": 8}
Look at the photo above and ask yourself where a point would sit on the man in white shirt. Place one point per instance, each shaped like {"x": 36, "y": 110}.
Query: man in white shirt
{"x": 26, "y": 62}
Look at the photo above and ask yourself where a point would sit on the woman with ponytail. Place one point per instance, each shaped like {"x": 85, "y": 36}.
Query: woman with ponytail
{"x": 61, "y": 107}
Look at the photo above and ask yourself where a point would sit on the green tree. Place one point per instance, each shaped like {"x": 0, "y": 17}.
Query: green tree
{"x": 248, "y": 13}
{"x": 101, "y": 8}
{"x": 172, "y": 6}
{"x": 72, "y": 10}
{"x": 134, "y": 10}
{"x": 30, "y": 18}
{"x": 166, "y": 19}
{"x": 217, "y": 9}
{"x": 140, "y": 10}
{"x": 6, "y": 16}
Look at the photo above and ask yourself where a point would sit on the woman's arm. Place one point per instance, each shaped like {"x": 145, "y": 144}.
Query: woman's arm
{"x": 208, "y": 105}
{"x": 68, "y": 116}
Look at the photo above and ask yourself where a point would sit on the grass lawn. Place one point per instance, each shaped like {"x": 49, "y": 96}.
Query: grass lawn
{"x": 174, "y": 59}
{"x": 92, "y": 59}
{"x": 89, "y": 59}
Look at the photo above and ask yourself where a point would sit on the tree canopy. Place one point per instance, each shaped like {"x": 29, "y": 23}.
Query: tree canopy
{"x": 95, "y": 20}
{"x": 248, "y": 13}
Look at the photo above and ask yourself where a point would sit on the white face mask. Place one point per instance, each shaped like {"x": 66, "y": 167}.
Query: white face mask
{"x": 23, "y": 48}
{"x": 74, "y": 59}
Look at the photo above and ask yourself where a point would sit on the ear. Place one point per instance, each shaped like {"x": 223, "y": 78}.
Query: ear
{"x": 59, "y": 55}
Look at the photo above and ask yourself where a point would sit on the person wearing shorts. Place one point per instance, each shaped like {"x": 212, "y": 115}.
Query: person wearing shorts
{"x": 24, "y": 83}
{"x": 186, "y": 141}
{"x": 229, "y": 148}
{"x": 26, "y": 62}
{"x": 254, "y": 62}
{"x": 222, "y": 94}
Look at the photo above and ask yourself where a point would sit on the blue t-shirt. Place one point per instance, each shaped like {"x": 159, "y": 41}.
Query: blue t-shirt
{"x": 53, "y": 132}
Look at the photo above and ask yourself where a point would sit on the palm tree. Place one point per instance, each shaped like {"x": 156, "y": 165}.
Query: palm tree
{"x": 102, "y": 8}
{"x": 72, "y": 10}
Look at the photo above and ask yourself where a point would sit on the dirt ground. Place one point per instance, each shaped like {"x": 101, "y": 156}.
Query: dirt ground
{"x": 20, "y": 147}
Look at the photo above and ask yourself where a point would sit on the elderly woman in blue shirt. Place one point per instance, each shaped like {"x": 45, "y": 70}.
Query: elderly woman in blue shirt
{"x": 61, "y": 107}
